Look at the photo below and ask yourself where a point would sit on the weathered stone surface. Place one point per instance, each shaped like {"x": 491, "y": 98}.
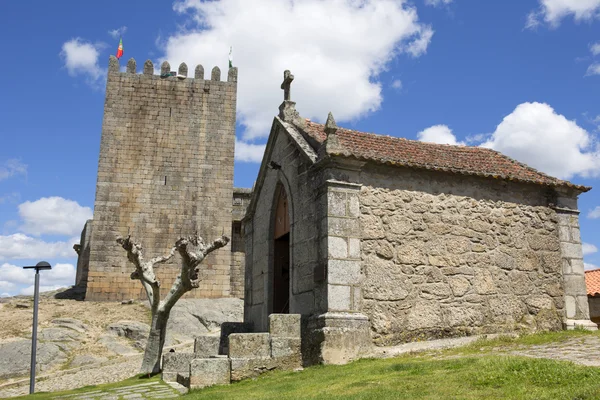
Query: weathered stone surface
{"x": 165, "y": 170}
{"x": 284, "y": 325}
{"x": 286, "y": 347}
{"x": 176, "y": 363}
{"x": 16, "y": 356}
{"x": 249, "y": 345}
{"x": 482, "y": 263}
{"x": 117, "y": 345}
{"x": 86, "y": 359}
{"x": 206, "y": 346}
{"x": 133, "y": 330}
{"x": 459, "y": 285}
{"x": 71, "y": 323}
{"x": 206, "y": 372}
{"x": 244, "y": 368}
{"x": 192, "y": 317}
{"x": 58, "y": 335}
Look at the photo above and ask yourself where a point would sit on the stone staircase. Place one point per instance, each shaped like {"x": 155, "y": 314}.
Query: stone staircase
{"x": 237, "y": 354}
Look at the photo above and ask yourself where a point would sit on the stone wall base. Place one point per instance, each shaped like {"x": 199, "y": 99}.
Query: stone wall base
{"x": 571, "y": 324}
{"x": 336, "y": 338}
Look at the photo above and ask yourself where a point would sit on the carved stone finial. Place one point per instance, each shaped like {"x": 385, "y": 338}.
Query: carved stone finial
{"x": 131, "y": 66}
{"x": 330, "y": 125}
{"x": 183, "y": 70}
{"x": 199, "y": 73}
{"x": 215, "y": 75}
{"x": 165, "y": 68}
{"x": 113, "y": 64}
{"x": 148, "y": 68}
{"x": 286, "y": 85}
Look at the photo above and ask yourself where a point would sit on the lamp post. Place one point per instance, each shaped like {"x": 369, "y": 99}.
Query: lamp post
{"x": 36, "y": 298}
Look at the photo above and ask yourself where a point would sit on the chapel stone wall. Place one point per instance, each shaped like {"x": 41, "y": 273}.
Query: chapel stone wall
{"x": 304, "y": 199}
{"x": 165, "y": 171}
{"x": 446, "y": 255}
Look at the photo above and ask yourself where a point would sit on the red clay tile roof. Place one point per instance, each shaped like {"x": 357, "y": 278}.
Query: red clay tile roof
{"x": 592, "y": 282}
{"x": 439, "y": 157}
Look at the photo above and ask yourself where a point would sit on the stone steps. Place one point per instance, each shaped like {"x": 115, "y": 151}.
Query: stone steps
{"x": 236, "y": 354}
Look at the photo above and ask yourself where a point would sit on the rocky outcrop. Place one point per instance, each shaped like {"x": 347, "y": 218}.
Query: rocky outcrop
{"x": 83, "y": 338}
{"x": 16, "y": 357}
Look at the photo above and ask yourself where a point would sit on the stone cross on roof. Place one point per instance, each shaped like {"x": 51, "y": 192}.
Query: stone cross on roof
{"x": 287, "y": 83}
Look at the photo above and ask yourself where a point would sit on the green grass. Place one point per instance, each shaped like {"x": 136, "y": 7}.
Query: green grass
{"x": 512, "y": 342}
{"x": 127, "y": 382}
{"x": 475, "y": 371}
{"x": 409, "y": 377}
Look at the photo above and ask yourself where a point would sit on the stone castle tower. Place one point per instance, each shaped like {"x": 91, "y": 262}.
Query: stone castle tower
{"x": 165, "y": 170}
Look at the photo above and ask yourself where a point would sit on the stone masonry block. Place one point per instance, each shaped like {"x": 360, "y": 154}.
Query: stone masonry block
{"x": 176, "y": 363}
{"x": 574, "y": 285}
{"x": 285, "y": 347}
{"x": 209, "y": 371}
{"x": 337, "y": 247}
{"x": 344, "y": 272}
{"x": 336, "y": 203}
{"x": 339, "y": 298}
{"x": 354, "y": 248}
{"x": 571, "y": 250}
{"x": 249, "y": 345}
{"x": 577, "y": 267}
{"x": 206, "y": 346}
{"x": 284, "y": 325}
{"x": 244, "y": 368}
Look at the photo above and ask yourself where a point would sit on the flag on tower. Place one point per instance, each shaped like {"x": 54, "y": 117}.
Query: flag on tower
{"x": 230, "y": 57}
{"x": 120, "y": 49}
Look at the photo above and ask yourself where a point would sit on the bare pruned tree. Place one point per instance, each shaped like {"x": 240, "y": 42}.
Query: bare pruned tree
{"x": 193, "y": 251}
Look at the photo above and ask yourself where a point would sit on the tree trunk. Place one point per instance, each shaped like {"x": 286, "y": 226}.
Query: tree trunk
{"x": 156, "y": 341}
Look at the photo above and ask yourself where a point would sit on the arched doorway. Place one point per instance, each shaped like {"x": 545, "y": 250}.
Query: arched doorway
{"x": 281, "y": 254}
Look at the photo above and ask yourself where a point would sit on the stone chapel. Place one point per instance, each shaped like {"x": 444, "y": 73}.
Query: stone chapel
{"x": 380, "y": 240}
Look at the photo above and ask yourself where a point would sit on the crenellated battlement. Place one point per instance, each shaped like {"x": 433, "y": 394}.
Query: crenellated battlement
{"x": 166, "y": 73}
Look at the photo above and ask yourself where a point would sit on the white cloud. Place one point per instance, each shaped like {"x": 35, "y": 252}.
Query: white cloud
{"x": 335, "y": 48}
{"x": 595, "y": 48}
{"x": 81, "y": 58}
{"x": 536, "y": 135}
{"x": 589, "y": 248}
{"x": 19, "y": 246}
{"x": 13, "y": 274}
{"x": 595, "y": 213}
{"x": 5, "y": 295}
{"x": 249, "y": 152}
{"x": 553, "y": 11}
{"x": 11, "y": 168}
{"x": 28, "y": 291}
{"x": 436, "y": 3}
{"x": 117, "y": 33}
{"x": 5, "y": 285}
{"x": 53, "y": 215}
{"x": 61, "y": 275}
{"x": 588, "y": 266}
{"x": 438, "y": 134}
{"x": 593, "y": 69}
{"x": 397, "y": 84}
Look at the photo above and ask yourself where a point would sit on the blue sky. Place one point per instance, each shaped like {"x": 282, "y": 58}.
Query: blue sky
{"x": 520, "y": 76}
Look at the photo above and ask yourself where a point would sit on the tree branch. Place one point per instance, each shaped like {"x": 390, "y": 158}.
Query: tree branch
{"x": 193, "y": 250}
{"x": 144, "y": 270}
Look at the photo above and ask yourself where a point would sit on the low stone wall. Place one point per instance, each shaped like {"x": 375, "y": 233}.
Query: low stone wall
{"x": 438, "y": 265}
